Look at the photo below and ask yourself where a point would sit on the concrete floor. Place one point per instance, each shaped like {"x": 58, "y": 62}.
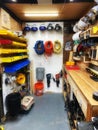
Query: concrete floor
{"x": 47, "y": 114}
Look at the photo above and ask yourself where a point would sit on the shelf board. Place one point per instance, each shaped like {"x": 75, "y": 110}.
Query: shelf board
{"x": 12, "y": 59}
{"x": 10, "y": 35}
{"x": 10, "y": 51}
{"x": 89, "y": 33}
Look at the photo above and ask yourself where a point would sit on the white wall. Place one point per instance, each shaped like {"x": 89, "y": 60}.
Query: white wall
{"x": 53, "y": 63}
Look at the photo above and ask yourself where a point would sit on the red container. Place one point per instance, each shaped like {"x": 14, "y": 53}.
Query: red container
{"x": 39, "y": 86}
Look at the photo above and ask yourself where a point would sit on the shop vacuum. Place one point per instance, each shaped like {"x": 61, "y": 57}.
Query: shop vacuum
{"x": 13, "y": 104}
{"x": 16, "y": 104}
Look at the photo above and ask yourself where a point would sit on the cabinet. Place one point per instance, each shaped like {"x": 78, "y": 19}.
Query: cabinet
{"x": 13, "y": 60}
{"x": 83, "y": 87}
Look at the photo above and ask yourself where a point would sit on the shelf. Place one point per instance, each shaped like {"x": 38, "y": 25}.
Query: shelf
{"x": 5, "y": 42}
{"x": 10, "y": 35}
{"x": 12, "y": 59}
{"x": 89, "y": 33}
{"x": 12, "y": 68}
{"x": 19, "y": 44}
{"x": 9, "y": 51}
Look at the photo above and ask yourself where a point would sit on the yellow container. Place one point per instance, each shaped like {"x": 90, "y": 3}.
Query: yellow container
{"x": 1, "y": 127}
{"x": 70, "y": 63}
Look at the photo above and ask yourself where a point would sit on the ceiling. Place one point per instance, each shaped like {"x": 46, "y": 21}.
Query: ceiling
{"x": 67, "y": 10}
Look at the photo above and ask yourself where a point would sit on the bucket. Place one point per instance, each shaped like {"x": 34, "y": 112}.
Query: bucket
{"x": 39, "y": 88}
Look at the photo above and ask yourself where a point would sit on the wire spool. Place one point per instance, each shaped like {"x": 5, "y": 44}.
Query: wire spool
{"x": 75, "y": 28}
{"x": 83, "y": 23}
{"x": 57, "y": 47}
{"x": 95, "y": 9}
{"x": 21, "y": 79}
{"x": 48, "y": 47}
{"x": 92, "y": 14}
{"x": 39, "y": 47}
{"x": 76, "y": 36}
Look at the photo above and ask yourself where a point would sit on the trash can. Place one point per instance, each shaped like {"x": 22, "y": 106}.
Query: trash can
{"x": 13, "y": 103}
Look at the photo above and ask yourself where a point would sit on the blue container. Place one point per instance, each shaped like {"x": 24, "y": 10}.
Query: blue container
{"x": 12, "y": 68}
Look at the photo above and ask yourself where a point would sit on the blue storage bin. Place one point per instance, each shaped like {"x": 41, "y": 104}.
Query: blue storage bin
{"x": 12, "y": 68}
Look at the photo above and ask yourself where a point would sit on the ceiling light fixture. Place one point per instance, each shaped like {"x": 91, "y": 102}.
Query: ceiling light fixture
{"x": 41, "y": 15}
{"x": 14, "y": 0}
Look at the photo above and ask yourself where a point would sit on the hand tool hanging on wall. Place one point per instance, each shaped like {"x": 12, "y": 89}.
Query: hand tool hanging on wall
{"x": 34, "y": 28}
{"x": 42, "y": 27}
{"x": 48, "y": 76}
{"x": 26, "y": 28}
{"x": 58, "y": 27}
{"x": 57, "y": 78}
{"x": 50, "y": 27}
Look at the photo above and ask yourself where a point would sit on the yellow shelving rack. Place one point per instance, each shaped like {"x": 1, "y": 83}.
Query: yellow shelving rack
{"x": 10, "y": 51}
{"x": 11, "y": 35}
{"x": 12, "y": 59}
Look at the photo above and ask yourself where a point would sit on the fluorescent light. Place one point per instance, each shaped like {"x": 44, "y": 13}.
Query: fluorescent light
{"x": 41, "y": 15}
{"x": 44, "y": 1}
{"x": 14, "y": 0}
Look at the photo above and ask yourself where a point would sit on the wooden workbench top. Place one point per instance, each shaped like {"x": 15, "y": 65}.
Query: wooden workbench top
{"x": 85, "y": 84}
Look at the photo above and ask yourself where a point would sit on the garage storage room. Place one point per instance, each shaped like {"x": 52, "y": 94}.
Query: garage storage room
{"x": 49, "y": 64}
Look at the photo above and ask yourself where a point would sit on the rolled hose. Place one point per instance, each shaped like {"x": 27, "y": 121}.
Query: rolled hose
{"x": 39, "y": 47}
{"x": 76, "y": 36}
{"x": 57, "y": 47}
{"x": 48, "y": 47}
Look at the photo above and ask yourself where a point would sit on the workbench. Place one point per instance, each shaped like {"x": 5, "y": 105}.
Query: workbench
{"x": 83, "y": 87}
